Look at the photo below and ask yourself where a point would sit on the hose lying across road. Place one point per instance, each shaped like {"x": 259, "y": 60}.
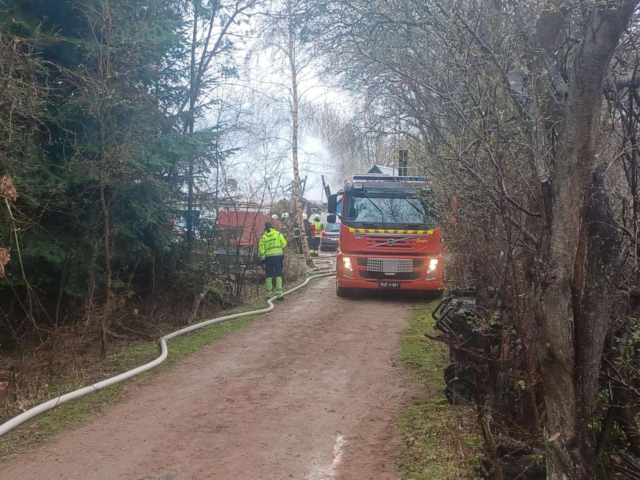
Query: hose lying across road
{"x": 322, "y": 267}
{"x": 44, "y": 407}
{"x": 323, "y": 263}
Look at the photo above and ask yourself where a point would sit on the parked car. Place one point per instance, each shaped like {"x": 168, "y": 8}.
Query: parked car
{"x": 330, "y": 237}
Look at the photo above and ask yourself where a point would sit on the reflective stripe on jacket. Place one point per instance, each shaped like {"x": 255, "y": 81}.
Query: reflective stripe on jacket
{"x": 272, "y": 243}
{"x": 316, "y": 228}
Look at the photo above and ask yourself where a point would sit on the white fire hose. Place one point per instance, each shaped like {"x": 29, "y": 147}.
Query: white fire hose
{"x": 46, "y": 406}
{"x": 323, "y": 263}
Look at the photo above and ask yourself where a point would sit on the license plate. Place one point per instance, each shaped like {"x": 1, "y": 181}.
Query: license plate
{"x": 389, "y": 284}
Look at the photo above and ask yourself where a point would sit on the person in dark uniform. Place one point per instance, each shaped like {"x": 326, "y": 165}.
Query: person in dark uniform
{"x": 296, "y": 237}
{"x": 307, "y": 231}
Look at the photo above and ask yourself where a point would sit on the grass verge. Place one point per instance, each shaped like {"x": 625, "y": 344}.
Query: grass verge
{"x": 74, "y": 413}
{"x": 441, "y": 441}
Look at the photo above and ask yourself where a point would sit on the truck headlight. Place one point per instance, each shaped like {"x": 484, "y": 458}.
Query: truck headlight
{"x": 346, "y": 262}
{"x": 433, "y": 265}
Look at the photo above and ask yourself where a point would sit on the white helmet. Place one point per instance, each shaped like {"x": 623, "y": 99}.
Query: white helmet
{"x": 285, "y": 215}
{"x": 274, "y": 216}
{"x": 317, "y": 216}
{"x": 304, "y": 216}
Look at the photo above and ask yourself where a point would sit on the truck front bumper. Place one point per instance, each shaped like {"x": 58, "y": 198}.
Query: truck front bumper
{"x": 360, "y": 276}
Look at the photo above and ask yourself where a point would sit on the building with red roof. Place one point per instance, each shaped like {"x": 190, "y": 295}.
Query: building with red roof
{"x": 244, "y": 229}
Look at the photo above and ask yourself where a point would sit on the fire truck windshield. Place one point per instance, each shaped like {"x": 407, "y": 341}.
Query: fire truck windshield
{"x": 385, "y": 208}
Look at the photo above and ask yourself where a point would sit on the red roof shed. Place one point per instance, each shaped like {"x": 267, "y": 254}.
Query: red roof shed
{"x": 251, "y": 226}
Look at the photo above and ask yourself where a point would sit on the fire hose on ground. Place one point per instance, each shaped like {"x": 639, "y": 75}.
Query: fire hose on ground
{"x": 323, "y": 264}
{"x": 51, "y": 404}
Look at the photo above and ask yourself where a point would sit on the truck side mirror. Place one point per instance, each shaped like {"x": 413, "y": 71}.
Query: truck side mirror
{"x": 332, "y": 204}
{"x": 331, "y": 218}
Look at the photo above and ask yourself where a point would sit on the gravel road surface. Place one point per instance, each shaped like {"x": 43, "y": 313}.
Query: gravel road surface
{"x": 311, "y": 391}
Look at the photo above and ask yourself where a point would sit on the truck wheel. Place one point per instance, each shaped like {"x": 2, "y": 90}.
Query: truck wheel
{"x": 342, "y": 292}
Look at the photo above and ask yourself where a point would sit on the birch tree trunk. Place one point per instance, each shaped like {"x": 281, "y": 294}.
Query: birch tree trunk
{"x": 295, "y": 104}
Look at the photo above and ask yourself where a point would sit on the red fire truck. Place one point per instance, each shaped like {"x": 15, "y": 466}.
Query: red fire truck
{"x": 388, "y": 235}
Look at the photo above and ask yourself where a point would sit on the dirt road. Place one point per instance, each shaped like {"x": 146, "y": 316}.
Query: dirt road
{"x": 311, "y": 391}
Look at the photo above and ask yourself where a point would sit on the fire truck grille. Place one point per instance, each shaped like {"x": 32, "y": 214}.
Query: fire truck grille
{"x": 390, "y": 265}
{"x": 390, "y": 276}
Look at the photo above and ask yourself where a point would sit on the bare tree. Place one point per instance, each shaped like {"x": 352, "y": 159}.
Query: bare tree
{"x": 284, "y": 38}
{"x": 213, "y": 24}
{"x": 502, "y": 106}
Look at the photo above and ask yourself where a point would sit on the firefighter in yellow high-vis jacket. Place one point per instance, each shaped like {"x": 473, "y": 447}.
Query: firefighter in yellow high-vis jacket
{"x": 316, "y": 231}
{"x": 271, "y": 249}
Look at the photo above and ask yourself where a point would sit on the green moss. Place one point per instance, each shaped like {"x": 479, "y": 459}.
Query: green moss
{"x": 74, "y": 413}
{"x": 441, "y": 441}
